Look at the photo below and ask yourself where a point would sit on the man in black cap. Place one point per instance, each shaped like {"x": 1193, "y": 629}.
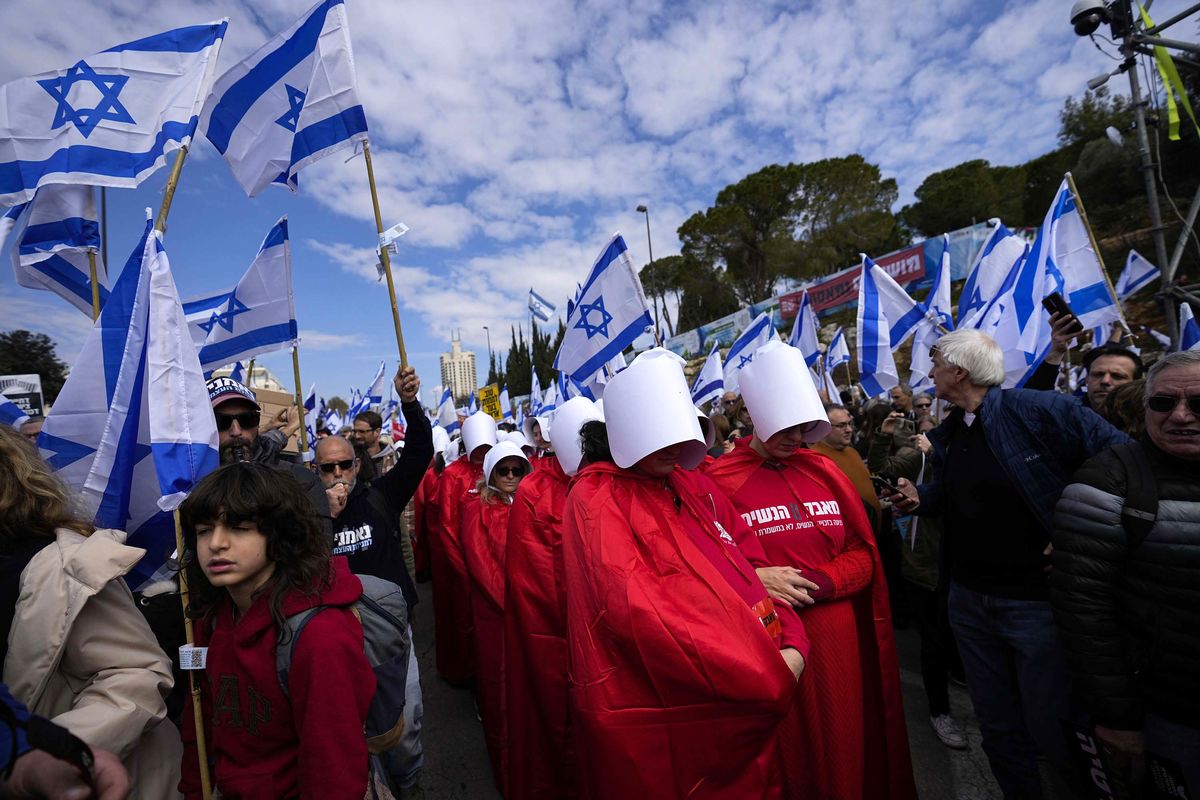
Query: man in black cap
{"x": 1108, "y": 365}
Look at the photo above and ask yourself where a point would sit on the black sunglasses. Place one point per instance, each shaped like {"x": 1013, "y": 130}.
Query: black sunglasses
{"x": 344, "y": 466}
{"x": 246, "y": 420}
{"x": 508, "y": 472}
{"x": 1165, "y": 403}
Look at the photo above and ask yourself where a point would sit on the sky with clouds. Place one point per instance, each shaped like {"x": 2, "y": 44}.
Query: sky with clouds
{"x": 514, "y": 138}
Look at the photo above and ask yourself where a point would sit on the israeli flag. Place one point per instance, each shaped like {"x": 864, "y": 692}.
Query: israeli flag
{"x": 992, "y": 265}
{"x": 550, "y": 401}
{"x": 610, "y": 315}
{"x": 1159, "y": 337}
{"x": 291, "y": 103}
{"x": 937, "y": 303}
{"x": 310, "y": 414}
{"x": 742, "y": 351}
{"x": 838, "y": 352}
{"x": 447, "y": 415}
{"x": 710, "y": 383}
{"x": 11, "y": 413}
{"x": 876, "y": 367}
{"x": 804, "y": 332}
{"x": 505, "y": 404}
{"x": 1069, "y": 252}
{"x": 472, "y": 406}
{"x": 53, "y": 234}
{"x": 237, "y": 373}
{"x": 540, "y": 307}
{"x": 535, "y": 393}
{"x": 374, "y": 397}
{"x": 257, "y": 316}
{"x": 569, "y": 387}
{"x": 109, "y": 119}
{"x": 828, "y": 383}
{"x": 132, "y": 430}
{"x": 1189, "y": 331}
{"x": 1138, "y": 273}
{"x": 937, "y": 313}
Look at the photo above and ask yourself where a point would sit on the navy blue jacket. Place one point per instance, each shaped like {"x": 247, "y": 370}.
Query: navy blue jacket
{"x": 1039, "y": 438}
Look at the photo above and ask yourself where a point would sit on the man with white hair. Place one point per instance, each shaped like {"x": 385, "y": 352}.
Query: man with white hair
{"x": 1001, "y": 460}
{"x": 1127, "y": 576}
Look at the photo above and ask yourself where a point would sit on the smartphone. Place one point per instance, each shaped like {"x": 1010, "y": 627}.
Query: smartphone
{"x": 1056, "y": 304}
{"x": 883, "y": 485}
{"x": 904, "y": 428}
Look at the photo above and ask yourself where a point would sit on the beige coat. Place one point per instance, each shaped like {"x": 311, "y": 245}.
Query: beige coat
{"x": 82, "y": 654}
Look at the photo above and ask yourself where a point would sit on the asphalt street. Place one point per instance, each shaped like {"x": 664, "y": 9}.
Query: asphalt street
{"x": 456, "y": 764}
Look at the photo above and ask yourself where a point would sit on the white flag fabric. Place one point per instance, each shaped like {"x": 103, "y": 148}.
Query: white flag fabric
{"x": 52, "y": 235}
{"x": 535, "y": 393}
{"x": 937, "y": 307}
{"x": 257, "y": 316}
{"x": 710, "y": 382}
{"x": 876, "y": 367}
{"x": 992, "y": 265}
{"x": 447, "y": 415}
{"x": 109, "y": 119}
{"x": 741, "y": 352}
{"x": 132, "y": 430}
{"x": 828, "y": 383}
{"x": 375, "y": 390}
{"x": 505, "y": 404}
{"x": 838, "y": 352}
{"x": 289, "y": 104}
{"x": 540, "y": 307}
{"x": 1138, "y": 274}
{"x": 1084, "y": 283}
{"x": 610, "y": 314}
{"x": 11, "y": 413}
{"x": 1189, "y": 330}
{"x": 804, "y": 332}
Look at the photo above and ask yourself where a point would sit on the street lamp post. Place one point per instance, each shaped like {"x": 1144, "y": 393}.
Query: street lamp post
{"x": 650, "y": 248}
{"x": 489, "y": 343}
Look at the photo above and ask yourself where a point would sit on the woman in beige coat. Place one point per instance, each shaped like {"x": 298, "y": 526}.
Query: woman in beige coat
{"x": 79, "y": 651}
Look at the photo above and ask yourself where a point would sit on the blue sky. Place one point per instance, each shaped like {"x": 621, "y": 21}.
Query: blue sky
{"x": 513, "y": 139}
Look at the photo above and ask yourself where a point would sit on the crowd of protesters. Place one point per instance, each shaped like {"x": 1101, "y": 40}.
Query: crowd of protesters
{"x": 645, "y": 599}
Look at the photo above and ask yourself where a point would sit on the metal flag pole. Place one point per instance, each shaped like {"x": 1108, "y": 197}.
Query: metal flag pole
{"x": 384, "y": 257}
{"x": 104, "y": 226}
{"x": 302, "y": 434}
{"x": 91, "y": 254}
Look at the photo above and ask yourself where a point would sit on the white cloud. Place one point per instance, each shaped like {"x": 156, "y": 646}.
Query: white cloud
{"x": 44, "y": 312}
{"x": 318, "y": 340}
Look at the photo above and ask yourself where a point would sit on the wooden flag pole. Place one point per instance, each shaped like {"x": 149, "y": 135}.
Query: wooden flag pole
{"x": 1087, "y": 226}
{"x": 197, "y": 706}
{"x": 302, "y": 434}
{"x": 91, "y": 253}
{"x": 384, "y": 257}
{"x": 160, "y": 223}
{"x": 250, "y": 375}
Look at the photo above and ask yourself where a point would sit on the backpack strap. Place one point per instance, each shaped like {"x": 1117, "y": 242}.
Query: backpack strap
{"x": 283, "y": 652}
{"x": 1140, "y": 510}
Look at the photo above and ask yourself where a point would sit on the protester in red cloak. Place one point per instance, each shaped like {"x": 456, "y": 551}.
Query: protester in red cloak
{"x": 679, "y": 661}
{"x": 425, "y": 518}
{"x": 484, "y": 536}
{"x": 541, "y": 758}
{"x": 452, "y": 615}
{"x": 846, "y": 736}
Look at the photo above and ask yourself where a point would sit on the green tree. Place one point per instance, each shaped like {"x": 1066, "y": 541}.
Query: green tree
{"x": 1087, "y": 119}
{"x": 704, "y": 295}
{"x": 495, "y": 369}
{"x": 25, "y": 353}
{"x": 516, "y": 365}
{"x": 660, "y": 277}
{"x": 337, "y": 404}
{"x": 970, "y": 192}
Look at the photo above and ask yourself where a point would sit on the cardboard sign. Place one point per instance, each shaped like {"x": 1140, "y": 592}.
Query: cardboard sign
{"x": 25, "y": 391}
{"x": 489, "y": 401}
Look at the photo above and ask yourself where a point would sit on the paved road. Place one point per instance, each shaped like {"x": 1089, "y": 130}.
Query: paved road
{"x": 456, "y": 764}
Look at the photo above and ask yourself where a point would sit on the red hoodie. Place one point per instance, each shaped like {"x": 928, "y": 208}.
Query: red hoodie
{"x": 267, "y": 745}
{"x": 677, "y": 686}
{"x": 451, "y": 590}
{"x": 541, "y": 758}
{"x": 846, "y": 734}
{"x": 484, "y": 530}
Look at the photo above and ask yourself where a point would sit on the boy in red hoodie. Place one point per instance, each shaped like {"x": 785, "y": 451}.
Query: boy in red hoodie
{"x": 255, "y": 555}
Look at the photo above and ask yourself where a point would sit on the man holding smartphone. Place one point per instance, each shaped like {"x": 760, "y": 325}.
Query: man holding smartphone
{"x": 1108, "y": 364}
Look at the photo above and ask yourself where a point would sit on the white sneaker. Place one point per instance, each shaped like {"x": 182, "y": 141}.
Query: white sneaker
{"x": 949, "y": 731}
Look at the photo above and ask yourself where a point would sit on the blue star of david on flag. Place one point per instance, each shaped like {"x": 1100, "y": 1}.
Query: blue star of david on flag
{"x": 585, "y": 312}
{"x": 296, "y": 100}
{"x": 225, "y": 318}
{"x": 85, "y": 120}
{"x": 745, "y": 360}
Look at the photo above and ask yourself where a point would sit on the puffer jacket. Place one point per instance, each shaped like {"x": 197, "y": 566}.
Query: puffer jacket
{"x": 1039, "y": 438}
{"x": 1129, "y": 616}
{"x": 81, "y": 654}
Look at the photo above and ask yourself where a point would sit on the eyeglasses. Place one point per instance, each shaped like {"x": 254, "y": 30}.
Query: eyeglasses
{"x": 508, "y": 472}
{"x": 922, "y": 405}
{"x": 344, "y": 466}
{"x": 247, "y": 420}
{"x": 1165, "y": 403}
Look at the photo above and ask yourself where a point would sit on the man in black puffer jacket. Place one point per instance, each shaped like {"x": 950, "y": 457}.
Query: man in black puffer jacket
{"x": 1128, "y": 611}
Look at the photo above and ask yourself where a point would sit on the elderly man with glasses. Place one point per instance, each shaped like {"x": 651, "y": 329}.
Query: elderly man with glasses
{"x": 366, "y": 529}
{"x": 1126, "y": 580}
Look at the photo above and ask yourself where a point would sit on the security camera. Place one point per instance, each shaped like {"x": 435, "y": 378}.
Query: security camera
{"x": 1087, "y": 16}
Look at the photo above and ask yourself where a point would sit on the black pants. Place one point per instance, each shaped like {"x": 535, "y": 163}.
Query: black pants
{"x": 939, "y": 653}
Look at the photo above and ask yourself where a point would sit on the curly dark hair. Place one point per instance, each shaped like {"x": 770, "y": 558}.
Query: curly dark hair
{"x": 277, "y": 504}
{"x": 1125, "y": 407}
{"x": 593, "y": 441}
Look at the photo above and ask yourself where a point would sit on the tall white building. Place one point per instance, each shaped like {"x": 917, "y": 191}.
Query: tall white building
{"x": 458, "y": 369}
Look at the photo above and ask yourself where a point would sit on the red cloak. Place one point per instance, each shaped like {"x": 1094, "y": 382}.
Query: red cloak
{"x": 541, "y": 756}
{"x": 676, "y": 690}
{"x": 424, "y": 519}
{"x": 484, "y": 535}
{"x": 451, "y": 590}
{"x": 883, "y": 767}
